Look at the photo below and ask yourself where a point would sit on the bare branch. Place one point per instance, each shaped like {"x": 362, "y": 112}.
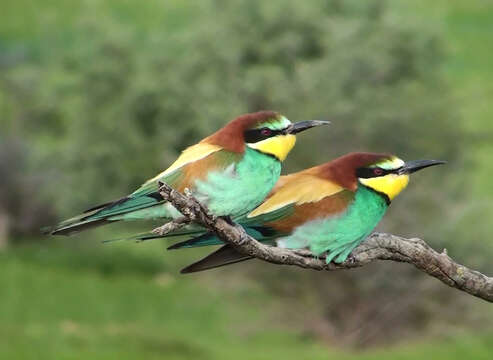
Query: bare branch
{"x": 378, "y": 246}
{"x": 171, "y": 226}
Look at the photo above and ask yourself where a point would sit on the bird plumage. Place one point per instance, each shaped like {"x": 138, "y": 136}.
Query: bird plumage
{"x": 329, "y": 208}
{"x": 231, "y": 171}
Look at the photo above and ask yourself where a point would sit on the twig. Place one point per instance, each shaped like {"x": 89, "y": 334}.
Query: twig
{"x": 378, "y": 246}
{"x": 171, "y": 226}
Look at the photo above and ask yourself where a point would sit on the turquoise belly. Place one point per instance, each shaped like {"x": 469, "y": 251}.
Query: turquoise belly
{"x": 239, "y": 190}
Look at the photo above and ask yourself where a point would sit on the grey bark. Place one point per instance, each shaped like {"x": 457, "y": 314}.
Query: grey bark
{"x": 378, "y": 246}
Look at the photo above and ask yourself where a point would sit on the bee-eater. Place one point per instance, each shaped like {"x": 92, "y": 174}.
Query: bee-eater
{"x": 330, "y": 208}
{"x": 231, "y": 172}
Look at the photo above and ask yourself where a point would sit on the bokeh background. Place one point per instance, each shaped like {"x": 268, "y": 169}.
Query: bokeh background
{"x": 96, "y": 96}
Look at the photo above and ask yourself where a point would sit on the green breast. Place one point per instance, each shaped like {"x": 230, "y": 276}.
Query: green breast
{"x": 242, "y": 187}
{"x": 341, "y": 234}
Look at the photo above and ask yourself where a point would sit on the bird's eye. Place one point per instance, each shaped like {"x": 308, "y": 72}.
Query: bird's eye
{"x": 266, "y": 132}
{"x": 377, "y": 172}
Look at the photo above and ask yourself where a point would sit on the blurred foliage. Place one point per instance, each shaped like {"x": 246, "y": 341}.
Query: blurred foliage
{"x": 20, "y": 201}
{"x": 84, "y": 313}
{"x": 103, "y": 98}
{"x": 108, "y": 100}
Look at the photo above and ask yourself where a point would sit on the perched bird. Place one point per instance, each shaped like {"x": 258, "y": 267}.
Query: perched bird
{"x": 231, "y": 172}
{"x": 330, "y": 208}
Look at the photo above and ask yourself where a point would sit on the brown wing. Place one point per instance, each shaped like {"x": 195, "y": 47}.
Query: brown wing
{"x": 298, "y": 198}
{"x": 299, "y": 214}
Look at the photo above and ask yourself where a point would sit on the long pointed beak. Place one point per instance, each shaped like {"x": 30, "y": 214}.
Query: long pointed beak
{"x": 416, "y": 165}
{"x": 305, "y": 125}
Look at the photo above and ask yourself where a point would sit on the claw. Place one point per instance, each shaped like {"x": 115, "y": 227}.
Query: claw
{"x": 351, "y": 259}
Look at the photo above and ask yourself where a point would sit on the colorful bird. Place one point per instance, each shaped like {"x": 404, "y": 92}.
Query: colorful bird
{"x": 231, "y": 172}
{"x": 330, "y": 208}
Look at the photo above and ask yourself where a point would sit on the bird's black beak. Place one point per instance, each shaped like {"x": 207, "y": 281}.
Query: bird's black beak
{"x": 305, "y": 125}
{"x": 416, "y": 165}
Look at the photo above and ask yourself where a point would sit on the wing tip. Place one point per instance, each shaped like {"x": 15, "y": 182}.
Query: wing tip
{"x": 48, "y": 230}
{"x": 188, "y": 270}
{"x": 225, "y": 255}
{"x": 71, "y": 229}
{"x": 178, "y": 245}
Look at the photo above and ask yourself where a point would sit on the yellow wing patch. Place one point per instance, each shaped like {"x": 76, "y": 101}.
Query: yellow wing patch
{"x": 189, "y": 155}
{"x": 297, "y": 189}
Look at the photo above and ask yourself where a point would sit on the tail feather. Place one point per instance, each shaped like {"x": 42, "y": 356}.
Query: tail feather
{"x": 262, "y": 234}
{"x": 226, "y": 255}
{"x": 152, "y": 236}
{"x": 106, "y": 213}
{"x": 126, "y": 205}
{"x": 80, "y": 226}
{"x": 137, "y": 237}
{"x": 100, "y": 206}
{"x": 206, "y": 239}
{"x": 190, "y": 230}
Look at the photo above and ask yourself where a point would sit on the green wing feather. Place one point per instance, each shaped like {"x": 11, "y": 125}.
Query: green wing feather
{"x": 338, "y": 236}
{"x": 141, "y": 204}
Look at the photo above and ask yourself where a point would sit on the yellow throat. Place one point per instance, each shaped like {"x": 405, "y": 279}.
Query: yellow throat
{"x": 390, "y": 185}
{"x": 279, "y": 145}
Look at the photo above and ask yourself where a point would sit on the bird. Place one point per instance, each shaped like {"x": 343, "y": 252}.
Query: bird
{"x": 230, "y": 171}
{"x": 329, "y": 209}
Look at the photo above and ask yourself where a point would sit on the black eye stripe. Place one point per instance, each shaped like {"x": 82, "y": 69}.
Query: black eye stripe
{"x": 256, "y": 135}
{"x": 372, "y": 172}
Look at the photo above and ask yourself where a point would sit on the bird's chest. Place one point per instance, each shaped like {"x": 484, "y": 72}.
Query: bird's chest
{"x": 242, "y": 186}
{"x": 355, "y": 223}
{"x": 362, "y": 216}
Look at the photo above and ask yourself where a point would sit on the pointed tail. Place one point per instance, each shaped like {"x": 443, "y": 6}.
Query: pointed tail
{"x": 262, "y": 234}
{"x": 127, "y": 208}
{"x": 206, "y": 239}
{"x": 190, "y": 230}
{"x": 225, "y": 255}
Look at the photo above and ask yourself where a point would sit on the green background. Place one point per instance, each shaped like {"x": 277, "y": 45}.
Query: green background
{"x": 97, "y": 96}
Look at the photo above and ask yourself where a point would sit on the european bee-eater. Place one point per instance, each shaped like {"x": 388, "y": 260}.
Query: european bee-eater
{"x": 231, "y": 172}
{"x": 330, "y": 208}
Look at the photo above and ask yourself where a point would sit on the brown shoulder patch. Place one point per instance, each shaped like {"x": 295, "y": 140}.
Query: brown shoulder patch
{"x": 328, "y": 206}
{"x": 200, "y": 169}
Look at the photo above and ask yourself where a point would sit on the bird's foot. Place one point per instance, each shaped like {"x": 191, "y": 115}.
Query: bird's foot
{"x": 351, "y": 259}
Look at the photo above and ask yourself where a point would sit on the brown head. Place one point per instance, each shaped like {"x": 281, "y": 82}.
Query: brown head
{"x": 342, "y": 170}
{"x": 384, "y": 173}
{"x": 265, "y": 131}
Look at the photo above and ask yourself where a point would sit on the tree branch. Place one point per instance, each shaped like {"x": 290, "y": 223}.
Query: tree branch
{"x": 171, "y": 226}
{"x": 378, "y": 246}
